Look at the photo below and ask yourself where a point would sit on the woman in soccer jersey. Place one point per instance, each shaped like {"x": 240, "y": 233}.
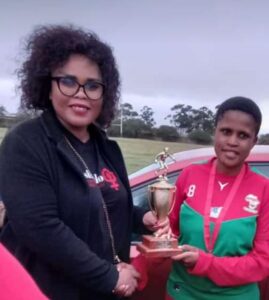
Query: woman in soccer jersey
{"x": 221, "y": 215}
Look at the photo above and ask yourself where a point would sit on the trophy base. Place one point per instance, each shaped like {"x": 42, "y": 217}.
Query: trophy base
{"x": 152, "y": 246}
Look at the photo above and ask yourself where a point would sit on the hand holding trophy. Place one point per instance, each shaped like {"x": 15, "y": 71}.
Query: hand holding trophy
{"x": 161, "y": 199}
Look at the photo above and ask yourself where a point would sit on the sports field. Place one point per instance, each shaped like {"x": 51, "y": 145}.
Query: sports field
{"x": 2, "y": 133}
{"x": 139, "y": 153}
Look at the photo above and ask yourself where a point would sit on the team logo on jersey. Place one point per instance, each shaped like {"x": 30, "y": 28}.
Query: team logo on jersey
{"x": 215, "y": 212}
{"x": 222, "y": 185}
{"x": 253, "y": 203}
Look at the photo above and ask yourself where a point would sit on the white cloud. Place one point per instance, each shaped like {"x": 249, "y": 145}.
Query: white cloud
{"x": 8, "y": 97}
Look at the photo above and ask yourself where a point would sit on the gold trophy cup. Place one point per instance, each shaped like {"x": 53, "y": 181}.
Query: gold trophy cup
{"x": 161, "y": 197}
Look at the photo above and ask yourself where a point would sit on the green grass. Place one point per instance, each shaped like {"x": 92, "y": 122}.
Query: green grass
{"x": 2, "y": 133}
{"x": 139, "y": 153}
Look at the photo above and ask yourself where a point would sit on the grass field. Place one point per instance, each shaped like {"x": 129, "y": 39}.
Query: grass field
{"x": 2, "y": 133}
{"x": 139, "y": 153}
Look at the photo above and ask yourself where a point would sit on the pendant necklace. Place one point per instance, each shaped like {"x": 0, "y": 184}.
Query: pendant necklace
{"x": 116, "y": 258}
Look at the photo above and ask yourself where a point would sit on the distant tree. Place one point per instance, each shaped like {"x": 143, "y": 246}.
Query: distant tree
{"x": 181, "y": 117}
{"x": 147, "y": 116}
{"x": 114, "y": 130}
{"x": 264, "y": 139}
{"x": 127, "y": 111}
{"x": 167, "y": 133}
{"x": 135, "y": 128}
{"x": 133, "y": 125}
{"x": 115, "y": 126}
{"x": 26, "y": 114}
{"x": 200, "y": 137}
{"x": 203, "y": 119}
{"x": 8, "y": 120}
{"x": 187, "y": 119}
{"x": 3, "y": 111}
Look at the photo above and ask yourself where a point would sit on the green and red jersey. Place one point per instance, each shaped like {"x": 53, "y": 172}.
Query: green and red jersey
{"x": 240, "y": 256}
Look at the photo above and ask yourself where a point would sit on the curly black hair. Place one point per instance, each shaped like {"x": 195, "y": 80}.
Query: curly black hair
{"x": 49, "y": 47}
{"x": 243, "y": 104}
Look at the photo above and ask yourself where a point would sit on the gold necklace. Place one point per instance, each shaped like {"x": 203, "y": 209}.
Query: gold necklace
{"x": 116, "y": 258}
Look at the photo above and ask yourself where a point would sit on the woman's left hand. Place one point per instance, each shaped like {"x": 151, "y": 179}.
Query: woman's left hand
{"x": 159, "y": 228}
{"x": 188, "y": 257}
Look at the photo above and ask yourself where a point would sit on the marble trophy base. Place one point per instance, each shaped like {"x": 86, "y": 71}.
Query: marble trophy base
{"x": 152, "y": 246}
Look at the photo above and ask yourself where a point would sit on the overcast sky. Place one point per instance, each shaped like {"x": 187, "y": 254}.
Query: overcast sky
{"x": 197, "y": 52}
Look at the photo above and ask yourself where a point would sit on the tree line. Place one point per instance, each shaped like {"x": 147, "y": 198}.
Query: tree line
{"x": 186, "y": 123}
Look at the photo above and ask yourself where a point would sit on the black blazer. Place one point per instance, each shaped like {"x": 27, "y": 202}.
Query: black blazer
{"x": 51, "y": 227}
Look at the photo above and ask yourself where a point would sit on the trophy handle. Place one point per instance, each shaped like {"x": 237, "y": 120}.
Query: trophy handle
{"x": 173, "y": 200}
{"x": 150, "y": 196}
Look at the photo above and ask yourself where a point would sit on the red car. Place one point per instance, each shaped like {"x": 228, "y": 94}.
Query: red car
{"x": 158, "y": 269}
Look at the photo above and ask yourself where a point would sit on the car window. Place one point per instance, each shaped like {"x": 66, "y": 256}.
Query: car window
{"x": 261, "y": 168}
{"x": 140, "y": 193}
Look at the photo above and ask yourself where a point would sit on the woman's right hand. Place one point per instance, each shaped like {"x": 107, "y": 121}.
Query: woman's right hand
{"x": 188, "y": 257}
{"x": 127, "y": 281}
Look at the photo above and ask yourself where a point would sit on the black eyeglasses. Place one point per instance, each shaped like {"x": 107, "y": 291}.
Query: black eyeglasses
{"x": 69, "y": 86}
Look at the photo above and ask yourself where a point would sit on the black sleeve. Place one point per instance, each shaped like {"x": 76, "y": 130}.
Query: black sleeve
{"x": 28, "y": 194}
{"x": 138, "y": 226}
{"x": 138, "y": 212}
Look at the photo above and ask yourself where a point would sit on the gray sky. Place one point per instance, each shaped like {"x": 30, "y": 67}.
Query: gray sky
{"x": 197, "y": 52}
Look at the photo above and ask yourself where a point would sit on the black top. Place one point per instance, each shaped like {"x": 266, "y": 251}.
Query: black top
{"x": 56, "y": 225}
{"x": 106, "y": 185}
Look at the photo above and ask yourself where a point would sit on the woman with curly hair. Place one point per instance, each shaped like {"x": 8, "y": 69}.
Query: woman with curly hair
{"x": 64, "y": 183}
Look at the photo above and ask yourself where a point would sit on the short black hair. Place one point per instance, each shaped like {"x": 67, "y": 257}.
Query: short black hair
{"x": 243, "y": 104}
{"x": 49, "y": 47}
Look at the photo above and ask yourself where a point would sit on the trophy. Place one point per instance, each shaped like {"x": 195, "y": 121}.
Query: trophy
{"x": 161, "y": 197}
